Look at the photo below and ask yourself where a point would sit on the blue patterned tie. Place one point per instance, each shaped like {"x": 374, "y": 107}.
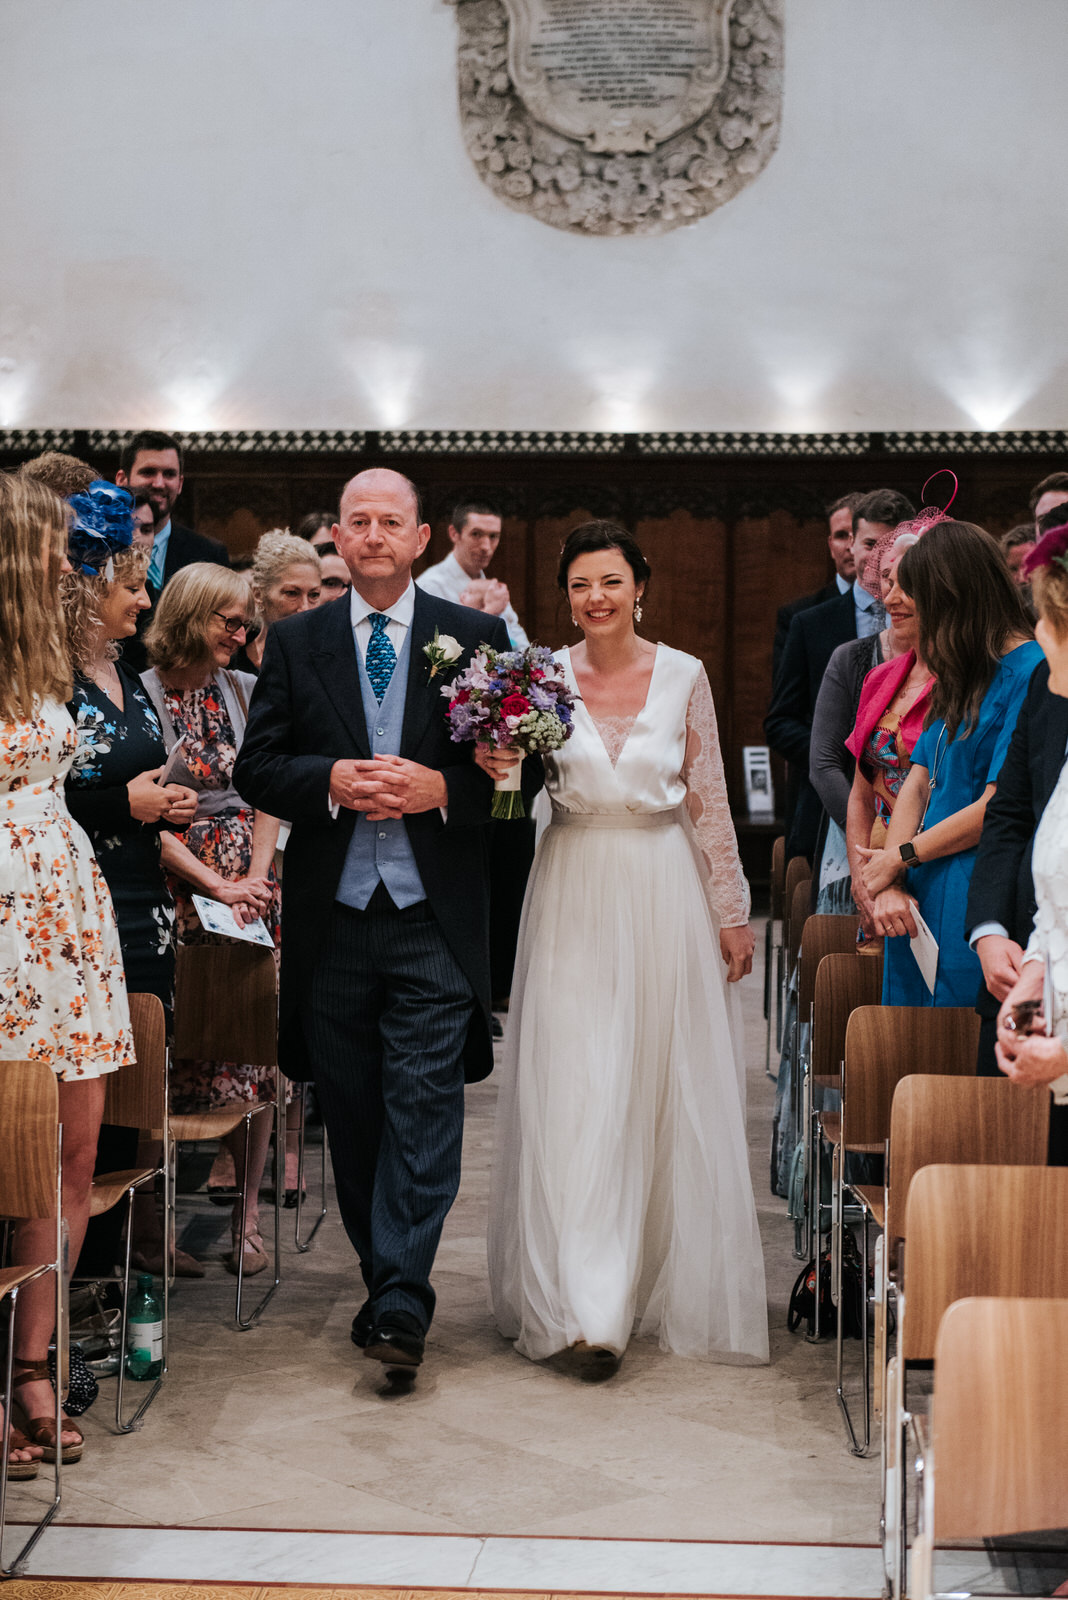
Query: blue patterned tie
{"x": 381, "y": 656}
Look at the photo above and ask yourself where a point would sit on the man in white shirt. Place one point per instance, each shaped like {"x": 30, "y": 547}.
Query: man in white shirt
{"x": 475, "y": 531}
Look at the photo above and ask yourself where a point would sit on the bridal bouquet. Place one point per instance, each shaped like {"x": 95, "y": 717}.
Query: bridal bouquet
{"x": 516, "y": 700}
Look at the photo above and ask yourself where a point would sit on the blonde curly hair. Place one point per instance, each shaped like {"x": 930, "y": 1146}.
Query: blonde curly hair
{"x": 83, "y": 595}
{"x": 1049, "y": 587}
{"x": 277, "y": 550}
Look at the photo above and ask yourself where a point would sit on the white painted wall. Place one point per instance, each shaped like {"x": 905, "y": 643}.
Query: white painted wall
{"x": 259, "y": 213}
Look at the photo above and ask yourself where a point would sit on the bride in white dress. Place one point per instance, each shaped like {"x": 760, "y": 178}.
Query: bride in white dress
{"x": 621, "y": 1195}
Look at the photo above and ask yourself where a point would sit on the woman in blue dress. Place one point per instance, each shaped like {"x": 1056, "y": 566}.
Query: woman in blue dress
{"x": 976, "y": 637}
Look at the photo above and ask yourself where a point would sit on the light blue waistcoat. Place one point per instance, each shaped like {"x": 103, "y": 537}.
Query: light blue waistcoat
{"x": 380, "y": 851}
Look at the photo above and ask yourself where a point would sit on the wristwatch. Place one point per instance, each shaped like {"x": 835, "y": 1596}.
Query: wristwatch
{"x": 907, "y": 852}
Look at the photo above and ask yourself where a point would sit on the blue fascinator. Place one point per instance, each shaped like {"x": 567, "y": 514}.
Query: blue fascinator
{"x": 102, "y": 524}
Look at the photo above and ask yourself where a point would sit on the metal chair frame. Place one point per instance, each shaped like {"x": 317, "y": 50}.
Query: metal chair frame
{"x": 12, "y": 1146}
{"x": 304, "y": 1245}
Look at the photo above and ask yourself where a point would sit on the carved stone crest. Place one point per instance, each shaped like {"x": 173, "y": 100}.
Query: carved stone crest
{"x": 619, "y": 116}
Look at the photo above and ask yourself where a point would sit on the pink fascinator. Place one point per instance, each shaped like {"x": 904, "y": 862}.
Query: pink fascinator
{"x": 1052, "y": 547}
{"x": 906, "y": 533}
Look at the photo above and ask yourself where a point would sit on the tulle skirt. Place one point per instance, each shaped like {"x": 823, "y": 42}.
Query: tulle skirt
{"x": 621, "y": 1194}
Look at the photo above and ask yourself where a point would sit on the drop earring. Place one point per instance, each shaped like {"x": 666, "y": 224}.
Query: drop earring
{"x": 574, "y": 620}
{"x": 637, "y": 611}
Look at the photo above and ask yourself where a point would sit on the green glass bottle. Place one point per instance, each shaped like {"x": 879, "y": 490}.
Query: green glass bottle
{"x": 144, "y": 1332}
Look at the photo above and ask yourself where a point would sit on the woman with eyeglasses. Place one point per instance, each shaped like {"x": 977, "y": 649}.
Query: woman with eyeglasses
{"x": 227, "y": 852}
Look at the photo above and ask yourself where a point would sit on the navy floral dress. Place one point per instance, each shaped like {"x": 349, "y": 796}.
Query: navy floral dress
{"x": 113, "y": 747}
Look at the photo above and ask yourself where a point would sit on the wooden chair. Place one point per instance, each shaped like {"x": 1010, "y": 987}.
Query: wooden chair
{"x": 798, "y": 910}
{"x": 844, "y": 981}
{"x": 969, "y": 1230}
{"x": 821, "y": 936}
{"x": 883, "y": 1045}
{"x": 31, "y": 1141}
{"x": 773, "y": 952}
{"x": 226, "y": 1009}
{"x": 137, "y": 1098}
{"x": 959, "y": 1121}
{"x": 993, "y": 1462}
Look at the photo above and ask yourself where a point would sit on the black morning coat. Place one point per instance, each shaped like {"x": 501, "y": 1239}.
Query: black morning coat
{"x": 813, "y": 637}
{"x": 1002, "y": 889}
{"x": 306, "y": 713}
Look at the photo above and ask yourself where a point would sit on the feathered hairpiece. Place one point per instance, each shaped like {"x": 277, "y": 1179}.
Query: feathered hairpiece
{"x": 102, "y": 525}
{"x": 1052, "y": 547}
{"x": 912, "y": 528}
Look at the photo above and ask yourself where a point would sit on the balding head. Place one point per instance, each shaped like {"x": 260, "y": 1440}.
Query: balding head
{"x": 379, "y": 534}
{"x": 377, "y": 479}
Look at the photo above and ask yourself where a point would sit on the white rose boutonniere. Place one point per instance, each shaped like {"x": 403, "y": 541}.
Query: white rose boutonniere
{"x": 442, "y": 651}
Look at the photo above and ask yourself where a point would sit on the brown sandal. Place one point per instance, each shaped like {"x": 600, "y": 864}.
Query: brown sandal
{"x": 19, "y": 1471}
{"x": 42, "y": 1430}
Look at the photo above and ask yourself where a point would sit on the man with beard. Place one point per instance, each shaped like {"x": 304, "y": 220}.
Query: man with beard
{"x": 151, "y": 464}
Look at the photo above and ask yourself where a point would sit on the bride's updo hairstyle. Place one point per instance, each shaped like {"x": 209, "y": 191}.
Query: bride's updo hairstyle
{"x": 1047, "y": 568}
{"x": 591, "y": 536}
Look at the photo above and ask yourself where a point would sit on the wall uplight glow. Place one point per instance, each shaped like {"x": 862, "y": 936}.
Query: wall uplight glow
{"x": 191, "y": 398}
{"x": 14, "y": 386}
{"x": 388, "y": 374}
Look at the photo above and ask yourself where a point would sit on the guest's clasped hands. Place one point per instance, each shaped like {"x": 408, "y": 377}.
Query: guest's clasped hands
{"x": 387, "y": 787}
{"x": 151, "y": 801}
{"x": 1025, "y": 1053}
{"x": 891, "y": 907}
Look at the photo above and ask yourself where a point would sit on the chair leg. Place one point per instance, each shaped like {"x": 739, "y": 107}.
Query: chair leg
{"x": 13, "y": 1568}
{"x": 244, "y": 1323}
{"x": 137, "y": 1420}
{"x": 305, "y": 1244}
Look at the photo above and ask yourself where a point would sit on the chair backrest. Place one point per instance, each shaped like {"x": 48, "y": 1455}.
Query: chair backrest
{"x": 978, "y": 1121}
{"x": 796, "y": 917}
{"x": 885, "y": 1044}
{"x": 999, "y": 1418}
{"x": 136, "y": 1096}
{"x": 226, "y": 1003}
{"x": 977, "y": 1230}
{"x": 843, "y": 982}
{"x": 29, "y": 1123}
{"x": 821, "y": 935}
{"x": 778, "y": 877}
{"x": 797, "y": 871}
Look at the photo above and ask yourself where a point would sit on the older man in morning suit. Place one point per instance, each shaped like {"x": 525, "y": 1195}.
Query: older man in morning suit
{"x": 385, "y": 950}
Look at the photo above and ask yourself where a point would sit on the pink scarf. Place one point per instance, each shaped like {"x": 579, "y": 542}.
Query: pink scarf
{"x": 877, "y": 691}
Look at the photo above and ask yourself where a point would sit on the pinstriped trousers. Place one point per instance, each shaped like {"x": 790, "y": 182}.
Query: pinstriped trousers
{"x": 386, "y": 1021}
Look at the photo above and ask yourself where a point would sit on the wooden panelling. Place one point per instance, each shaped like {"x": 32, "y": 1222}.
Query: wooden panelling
{"x": 729, "y": 539}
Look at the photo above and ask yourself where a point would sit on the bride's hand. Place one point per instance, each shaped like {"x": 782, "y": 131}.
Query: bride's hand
{"x": 498, "y": 763}
{"x": 736, "y": 947}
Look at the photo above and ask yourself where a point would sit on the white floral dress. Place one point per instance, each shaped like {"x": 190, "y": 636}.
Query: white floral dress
{"x": 62, "y": 992}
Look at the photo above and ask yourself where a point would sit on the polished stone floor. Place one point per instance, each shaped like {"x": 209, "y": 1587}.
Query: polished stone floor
{"x": 288, "y": 1427}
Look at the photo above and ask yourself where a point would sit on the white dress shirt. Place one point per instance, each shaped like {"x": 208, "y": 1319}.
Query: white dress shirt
{"x": 448, "y": 580}
{"x": 400, "y": 615}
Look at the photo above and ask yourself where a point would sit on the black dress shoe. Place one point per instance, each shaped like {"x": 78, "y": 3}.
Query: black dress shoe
{"x": 397, "y": 1340}
{"x": 496, "y": 1027}
{"x": 362, "y": 1323}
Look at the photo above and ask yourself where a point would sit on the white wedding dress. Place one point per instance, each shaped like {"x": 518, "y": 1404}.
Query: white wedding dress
{"x": 621, "y": 1195}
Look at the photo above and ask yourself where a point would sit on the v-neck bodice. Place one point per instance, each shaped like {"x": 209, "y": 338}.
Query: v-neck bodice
{"x": 646, "y": 774}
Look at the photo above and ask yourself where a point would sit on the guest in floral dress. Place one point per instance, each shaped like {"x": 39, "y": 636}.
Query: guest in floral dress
{"x": 62, "y": 995}
{"x": 227, "y": 853}
{"x": 112, "y": 790}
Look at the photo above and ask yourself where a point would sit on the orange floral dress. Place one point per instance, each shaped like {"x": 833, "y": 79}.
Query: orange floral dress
{"x": 62, "y": 992}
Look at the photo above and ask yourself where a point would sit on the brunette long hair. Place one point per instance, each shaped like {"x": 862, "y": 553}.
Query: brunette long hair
{"x": 33, "y": 539}
{"x": 967, "y": 611}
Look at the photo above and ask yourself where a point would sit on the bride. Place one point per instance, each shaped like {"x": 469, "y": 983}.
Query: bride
{"x": 621, "y": 1193}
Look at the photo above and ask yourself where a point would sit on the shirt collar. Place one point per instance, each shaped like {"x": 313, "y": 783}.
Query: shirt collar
{"x": 460, "y": 573}
{"x": 862, "y": 599}
{"x": 401, "y": 610}
{"x": 844, "y": 584}
{"x": 159, "y": 553}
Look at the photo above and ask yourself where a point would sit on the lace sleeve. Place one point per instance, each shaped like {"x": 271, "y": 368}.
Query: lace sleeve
{"x": 709, "y": 809}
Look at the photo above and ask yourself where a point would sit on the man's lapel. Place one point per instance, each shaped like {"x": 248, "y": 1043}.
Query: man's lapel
{"x": 1055, "y": 738}
{"x": 422, "y": 695}
{"x": 334, "y": 659}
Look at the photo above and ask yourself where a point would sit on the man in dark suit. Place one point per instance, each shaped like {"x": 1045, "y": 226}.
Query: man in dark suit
{"x": 813, "y": 636}
{"x": 151, "y": 463}
{"x": 385, "y": 950}
{"x": 1001, "y": 901}
{"x": 840, "y": 544}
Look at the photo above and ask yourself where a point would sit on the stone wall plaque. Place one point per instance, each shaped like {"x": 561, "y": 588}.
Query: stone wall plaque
{"x": 619, "y": 116}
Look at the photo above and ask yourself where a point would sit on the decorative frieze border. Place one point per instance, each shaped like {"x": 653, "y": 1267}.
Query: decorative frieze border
{"x": 522, "y": 442}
